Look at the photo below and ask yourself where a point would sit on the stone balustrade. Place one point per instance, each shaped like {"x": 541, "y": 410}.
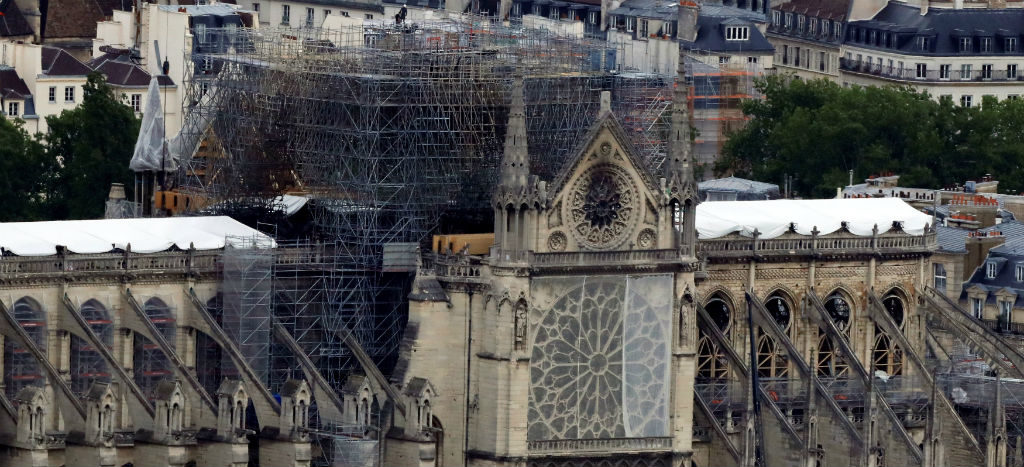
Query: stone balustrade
{"x": 575, "y": 446}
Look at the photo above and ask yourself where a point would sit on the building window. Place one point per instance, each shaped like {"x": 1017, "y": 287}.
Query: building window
{"x": 922, "y": 70}
{"x": 1013, "y": 97}
{"x": 630, "y": 23}
{"x": 1011, "y": 71}
{"x": 668, "y": 29}
{"x": 69, "y": 94}
{"x": 201, "y": 33}
{"x": 965, "y": 44}
{"x": 1005, "y": 315}
{"x": 813, "y": 26}
{"x": 723, "y": 60}
{"x": 800, "y": 23}
{"x": 737, "y": 33}
{"x": 12, "y": 109}
{"x": 944, "y": 71}
{"x": 642, "y": 32}
{"x": 966, "y": 100}
{"x": 837, "y": 31}
{"x": 892, "y": 66}
{"x": 776, "y": 18}
{"x": 923, "y": 43}
{"x": 796, "y": 56}
{"x": 824, "y": 27}
{"x": 1010, "y": 45}
{"x": 286, "y": 14}
{"x": 136, "y": 100}
{"x": 53, "y": 94}
{"x": 872, "y": 38}
{"x": 309, "y": 17}
{"x": 990, "y": 270}
{"x": 751, "y": 59}
{"x": 977, "y": 305}
{"x": 965, "y": 71}
{"x": 592, "y": 18}
{"x": 986, "y": 44}
{"x": 256, "y": 7}
{"x": 940, "y": 277}
{"x": 789, "y": 21}
{"x": 553, "y": 12}
{"x": 328, "y": 13}
{"x": 369, "y": 16}
{"x": 986, "y": 71}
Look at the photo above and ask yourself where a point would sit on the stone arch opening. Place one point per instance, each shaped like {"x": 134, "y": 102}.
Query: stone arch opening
{"x": 87, "y": 364}
{"x": 887, "y": 355}
{"x": 720, "y": 309}
{"x": 780, "y": 306}
{"x": 21, "y": 369}
{"x": 771, "y": 362}
{"x": 711, "y": 362}
{"x": 895, "y": 303}
{"x": 839, "y": 306}
{"x": 163, "y": 318}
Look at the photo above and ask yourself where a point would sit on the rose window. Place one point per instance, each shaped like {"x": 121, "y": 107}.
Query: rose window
{"x": 602, "y": 206}
{"x": 599, "y": 364}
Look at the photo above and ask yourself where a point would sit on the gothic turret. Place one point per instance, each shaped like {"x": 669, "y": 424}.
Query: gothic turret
{"x": 680, "y": 186}
{"x": 518, "y": 196}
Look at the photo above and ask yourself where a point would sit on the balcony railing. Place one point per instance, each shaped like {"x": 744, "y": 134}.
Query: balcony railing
{"x": 736, "y": 245}
{"x": 929, "y": 75}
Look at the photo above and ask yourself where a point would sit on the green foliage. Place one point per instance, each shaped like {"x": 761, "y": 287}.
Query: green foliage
{"x": 817, "y": 131}
{"x": 24, "y": 167}
{"x": 94, "y": 143}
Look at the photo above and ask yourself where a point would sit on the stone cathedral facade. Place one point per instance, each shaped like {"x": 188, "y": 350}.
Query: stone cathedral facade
{"x": 573, "y": 341}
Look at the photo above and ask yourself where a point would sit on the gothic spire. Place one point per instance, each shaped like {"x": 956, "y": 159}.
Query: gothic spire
{"x": 678, "y": 166}
{"x": 515, "y": 162}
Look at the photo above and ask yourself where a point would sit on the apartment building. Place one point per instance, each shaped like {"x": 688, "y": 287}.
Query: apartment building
{"x": 807, "y": 35}
{"x": 39, "y": 81}
{"x": 964, "y": 54}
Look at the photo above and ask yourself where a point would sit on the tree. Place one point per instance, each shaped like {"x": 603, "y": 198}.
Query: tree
{"x": 817, "y": 131}
{"x": 93, "y": 143}
{"x": 24, "y": 168}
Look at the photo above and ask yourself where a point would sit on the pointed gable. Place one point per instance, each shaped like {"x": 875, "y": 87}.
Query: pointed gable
{"x": 604, "y": 198}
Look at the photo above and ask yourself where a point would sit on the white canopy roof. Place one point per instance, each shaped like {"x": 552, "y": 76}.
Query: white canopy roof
{"x": 144, "y": 235}
{"x": 772, "y": 218}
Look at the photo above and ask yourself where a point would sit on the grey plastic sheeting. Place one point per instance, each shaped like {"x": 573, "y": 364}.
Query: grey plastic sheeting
{"x": 600, "y": 365}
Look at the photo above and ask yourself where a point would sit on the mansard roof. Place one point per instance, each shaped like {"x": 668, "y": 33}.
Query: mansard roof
{"x": 944, "y": 26}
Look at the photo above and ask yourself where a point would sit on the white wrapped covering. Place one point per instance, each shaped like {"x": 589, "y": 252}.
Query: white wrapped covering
{"x": 772, "y": 218}
{"x": 144, "y": 235}
{"x": 149, "y": 148}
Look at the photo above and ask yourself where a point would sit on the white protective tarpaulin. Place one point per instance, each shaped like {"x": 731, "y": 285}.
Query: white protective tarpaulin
{"x": 773, "y": 218}
{"x": 150, "y": 154}
{"x": 144, "y": 235}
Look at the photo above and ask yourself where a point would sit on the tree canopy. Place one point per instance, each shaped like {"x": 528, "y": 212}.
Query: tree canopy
{"x": 24, "y": 168}
{"x": 94, "y": 143}
{"x": 817, "y": 131}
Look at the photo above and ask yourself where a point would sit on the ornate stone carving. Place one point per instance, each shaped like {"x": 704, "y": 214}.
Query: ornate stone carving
{"x": 602, "y": 207}
{"x": 557, "y": 241}
{"x": 606, "y": 149}
{"x": 646, "y": 239}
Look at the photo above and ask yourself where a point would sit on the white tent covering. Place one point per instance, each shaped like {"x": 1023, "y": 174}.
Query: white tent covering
{"x": 149, "y": 153}
{"x": 772, "y": 218}
{"x": 144, "y": 235}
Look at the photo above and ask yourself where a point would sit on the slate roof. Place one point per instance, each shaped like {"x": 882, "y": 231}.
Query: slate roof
{"x": 834, "y": 10}
{"x": 11, "y": 85}
{"x": 739, "y": 185}
{"x": 121, "y": 70}
{"x": 711, "y": 31}
{"x": 944, "y": 26}
{"x": 660, "y": 9}
{"x": 13, "y": 23}
{"x": 57, "y": 62}
{"x": 951, "y": 239}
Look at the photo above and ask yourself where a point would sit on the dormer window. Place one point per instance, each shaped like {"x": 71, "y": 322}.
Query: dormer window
{"x": 986, "y": 44}
{"x": 824, "y": 27}
{"x": 991, "y": 269}
{"x": 737, "y": 33}
{"x": 924, "y": 43}
{"x": 776, "y": 18}
{"x": 1018, "y": 273}
{"x": 630, "y": 23}
{"x": 789, "y": 20}
{"x": 964, "y": 44}
{"x": 873, "y": 38}
{"x": 668, "y": 29}
{"x": 813, "y": 26}
{"x": 1010, "y": 44}
{"x": 838, "y": 31}
{"x": 800, "y": 23}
